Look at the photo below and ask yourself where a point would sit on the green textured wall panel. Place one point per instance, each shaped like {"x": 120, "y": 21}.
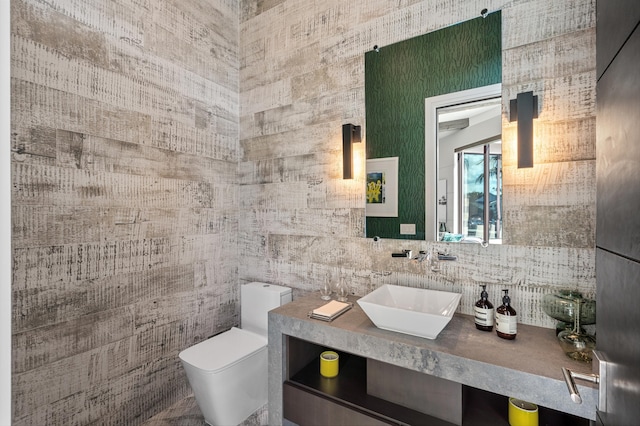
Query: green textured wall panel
{"x": 398, "y": 78}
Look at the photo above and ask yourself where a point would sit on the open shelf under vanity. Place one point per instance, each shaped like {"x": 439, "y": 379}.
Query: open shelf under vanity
{"x": 347, "y": 399}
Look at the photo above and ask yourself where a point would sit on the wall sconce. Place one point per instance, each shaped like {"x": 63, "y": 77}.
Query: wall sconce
{"x": 524, "y": 109}
{"x": 350, "y": 134}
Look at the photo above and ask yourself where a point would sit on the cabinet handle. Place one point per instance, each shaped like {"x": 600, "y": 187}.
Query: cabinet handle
{"x": 569, "y": 377}
{"x": 600, "y": 363}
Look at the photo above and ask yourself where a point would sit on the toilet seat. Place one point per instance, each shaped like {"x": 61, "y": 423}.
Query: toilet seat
{"x": 223, "y": 350}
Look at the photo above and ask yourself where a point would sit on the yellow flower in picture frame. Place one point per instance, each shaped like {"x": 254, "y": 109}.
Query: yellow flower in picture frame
{"x": 374, "y": 192}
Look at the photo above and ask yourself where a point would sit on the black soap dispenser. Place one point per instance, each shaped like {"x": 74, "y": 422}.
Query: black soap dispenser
{"x": 506, "y": 319}
{"x": 483, "y": 310}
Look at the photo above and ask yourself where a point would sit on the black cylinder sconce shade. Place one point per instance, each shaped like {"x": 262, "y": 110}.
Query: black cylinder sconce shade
{"x": 350, "y": 134}
{"x": 524, "y": 109}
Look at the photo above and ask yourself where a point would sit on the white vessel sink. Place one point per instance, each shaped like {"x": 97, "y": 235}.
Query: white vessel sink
{"x": 416, "y": 311}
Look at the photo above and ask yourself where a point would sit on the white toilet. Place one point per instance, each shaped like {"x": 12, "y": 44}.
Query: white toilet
{"x": 228, "y": 372}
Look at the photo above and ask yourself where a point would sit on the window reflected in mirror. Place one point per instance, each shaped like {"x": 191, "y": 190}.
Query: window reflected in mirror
{"x": 469, "y": 164}
{"x": 474, "y": 192}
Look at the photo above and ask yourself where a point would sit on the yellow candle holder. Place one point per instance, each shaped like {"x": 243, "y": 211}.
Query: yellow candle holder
{"x": 522, "y": 413}
{"x": 329, "y": 364}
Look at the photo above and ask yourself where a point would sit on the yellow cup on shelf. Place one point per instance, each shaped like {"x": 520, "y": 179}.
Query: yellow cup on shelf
{"x": 522, "y": 413}
{"x": 329, "y": 364}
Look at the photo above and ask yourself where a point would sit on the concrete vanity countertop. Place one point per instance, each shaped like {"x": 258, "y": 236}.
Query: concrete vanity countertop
{"x": 527, "y": 368}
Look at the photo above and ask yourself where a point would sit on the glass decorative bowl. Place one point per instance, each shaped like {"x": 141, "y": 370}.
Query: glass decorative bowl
{"x": 577, "y": 345}
{"x": 572, "y": 310}
{"x": 562, "y": 307}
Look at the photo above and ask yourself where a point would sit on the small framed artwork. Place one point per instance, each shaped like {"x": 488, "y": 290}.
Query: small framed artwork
{"x": 382, "y": 187}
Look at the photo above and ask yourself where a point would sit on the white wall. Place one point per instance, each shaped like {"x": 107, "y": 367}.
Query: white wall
{"x": 5, "y": 222}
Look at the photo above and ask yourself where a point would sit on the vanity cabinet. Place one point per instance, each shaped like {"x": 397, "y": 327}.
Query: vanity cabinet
{"x": 310, "y": 399}
{"x": 474, "y": 380}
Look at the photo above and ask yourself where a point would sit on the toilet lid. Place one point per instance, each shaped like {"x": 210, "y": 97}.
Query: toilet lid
{"x": 223, "y": 350}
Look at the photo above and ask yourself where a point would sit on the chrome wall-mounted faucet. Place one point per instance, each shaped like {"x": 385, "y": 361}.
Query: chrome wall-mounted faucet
{"x": 404, "y": 253}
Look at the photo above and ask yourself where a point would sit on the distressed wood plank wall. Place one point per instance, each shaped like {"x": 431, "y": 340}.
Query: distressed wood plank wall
{"x": 140, "y": 129}
{"x": 125, "y": 121}
{"x": 302, "y": 77}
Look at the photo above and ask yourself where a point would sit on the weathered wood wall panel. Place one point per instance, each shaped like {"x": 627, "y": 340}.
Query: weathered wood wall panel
{"x": 302, "y": 77}
{"x": 125, "y": 121}
{"x": 140, "y": 130}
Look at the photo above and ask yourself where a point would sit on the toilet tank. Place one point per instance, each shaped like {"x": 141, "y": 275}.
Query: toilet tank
{"x": 256, "y": 300}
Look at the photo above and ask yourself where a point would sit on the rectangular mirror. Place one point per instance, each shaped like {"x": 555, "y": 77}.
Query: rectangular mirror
{"x": 398, "y": 80}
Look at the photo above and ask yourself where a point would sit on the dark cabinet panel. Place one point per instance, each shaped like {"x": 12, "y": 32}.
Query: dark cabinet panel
{"x": 616, "y": 20}
{"x": 618, "y": 153}
{"x": 310, "y": 409}
{"x": 618, "y": 209}
{"x": 618, "y": 316}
